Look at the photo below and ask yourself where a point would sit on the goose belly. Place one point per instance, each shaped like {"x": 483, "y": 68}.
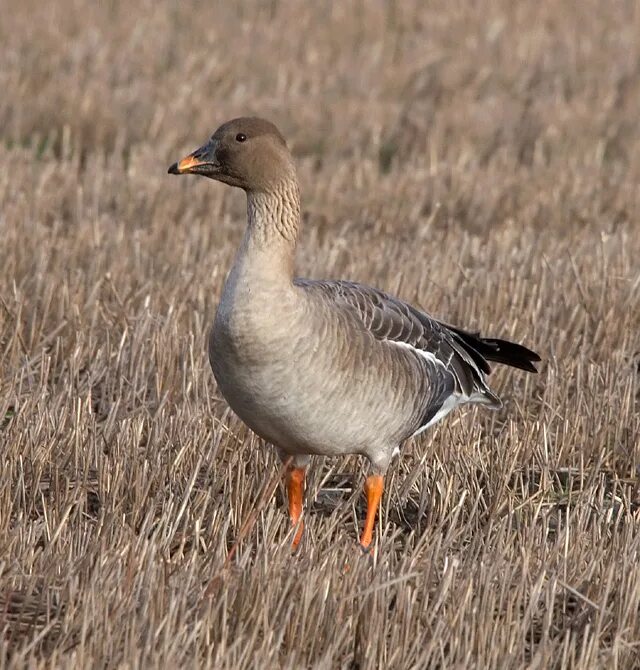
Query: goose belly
{"x": 311, "y": 400}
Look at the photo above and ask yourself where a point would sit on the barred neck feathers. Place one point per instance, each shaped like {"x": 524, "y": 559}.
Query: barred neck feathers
{"x": 274, "y": 214}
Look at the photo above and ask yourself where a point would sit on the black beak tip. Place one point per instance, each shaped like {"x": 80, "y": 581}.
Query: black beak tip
{"x": 173, "y": 169}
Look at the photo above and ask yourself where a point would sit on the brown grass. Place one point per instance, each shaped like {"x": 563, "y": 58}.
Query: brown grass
{"x": 479, "y": 159}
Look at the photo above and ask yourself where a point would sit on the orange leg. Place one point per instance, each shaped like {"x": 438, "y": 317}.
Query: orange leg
{"x": 295, "y": 493}
{"x": 373, "y": 487}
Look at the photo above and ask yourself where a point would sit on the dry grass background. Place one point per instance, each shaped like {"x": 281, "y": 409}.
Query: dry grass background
{"x": 479, "y": 159}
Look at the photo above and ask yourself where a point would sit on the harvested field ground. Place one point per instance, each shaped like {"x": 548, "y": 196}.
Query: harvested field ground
{"x": 479, "y": 159}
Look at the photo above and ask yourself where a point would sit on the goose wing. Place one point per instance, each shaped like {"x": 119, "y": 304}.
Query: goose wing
{"x": 455, "y": 367}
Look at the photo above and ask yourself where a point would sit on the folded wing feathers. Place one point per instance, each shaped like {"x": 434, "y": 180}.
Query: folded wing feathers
{"x": 392, "y": 320}
{"x": 462, "y": 357}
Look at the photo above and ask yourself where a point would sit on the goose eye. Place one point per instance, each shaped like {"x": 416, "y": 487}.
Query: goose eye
{"x": 241, "y": 137}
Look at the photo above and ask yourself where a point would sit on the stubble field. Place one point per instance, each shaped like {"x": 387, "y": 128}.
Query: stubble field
{"x": 481, "y": 160}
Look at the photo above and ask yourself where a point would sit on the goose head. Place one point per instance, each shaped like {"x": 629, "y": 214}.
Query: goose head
{"x": 248, "y": 152}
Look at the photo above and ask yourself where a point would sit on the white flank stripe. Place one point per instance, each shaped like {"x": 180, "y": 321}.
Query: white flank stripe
{"x": 421, "y": 352}
{"x": 451, "y": 402}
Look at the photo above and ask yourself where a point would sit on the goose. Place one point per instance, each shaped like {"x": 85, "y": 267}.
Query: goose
{"x": 325, "y": 367}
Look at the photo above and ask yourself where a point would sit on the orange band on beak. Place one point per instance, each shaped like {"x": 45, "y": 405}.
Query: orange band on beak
{"x": 196, "y": 159}
{"x": 187, "y": 163}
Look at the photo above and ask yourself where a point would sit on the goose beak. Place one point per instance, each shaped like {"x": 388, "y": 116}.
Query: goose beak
{"x": 201, "y": 161}
{"x": 184, "y": 166}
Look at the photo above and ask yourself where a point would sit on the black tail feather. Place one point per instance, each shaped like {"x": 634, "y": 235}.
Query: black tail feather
{"x": 499, "y": 351}
{"x": 510, "y": 353}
